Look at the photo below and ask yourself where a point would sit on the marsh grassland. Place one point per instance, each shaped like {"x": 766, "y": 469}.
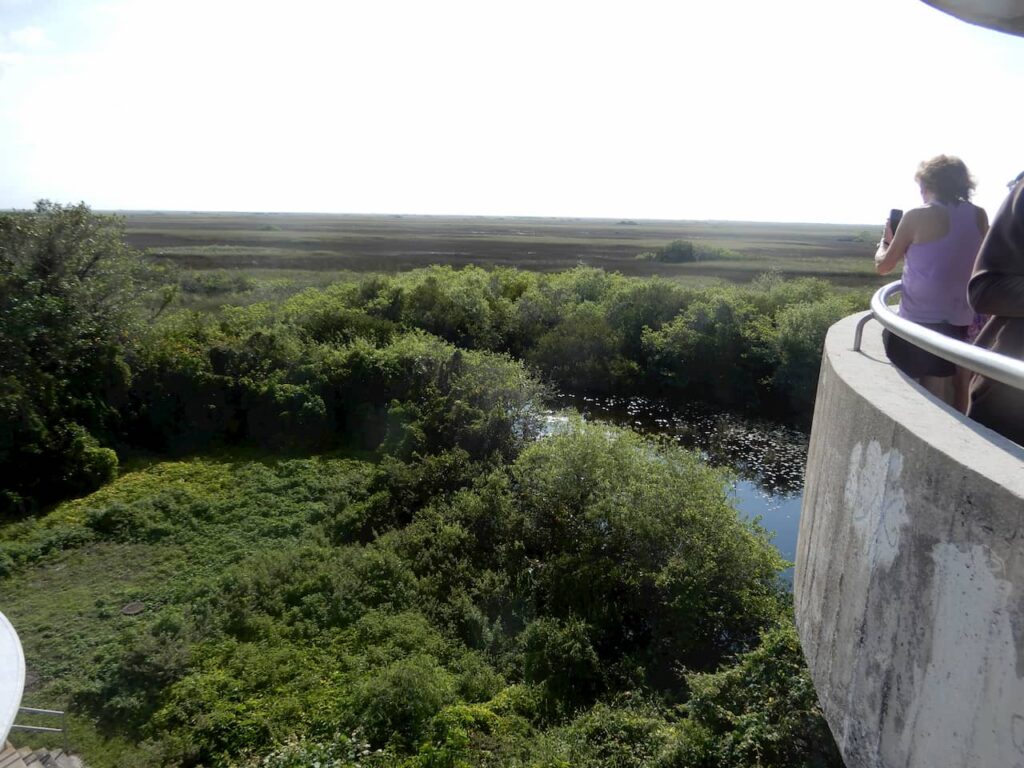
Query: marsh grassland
{"x": 289, "y": 244}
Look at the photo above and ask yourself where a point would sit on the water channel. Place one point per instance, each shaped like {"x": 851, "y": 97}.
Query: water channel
{"x": 766, "y": 458}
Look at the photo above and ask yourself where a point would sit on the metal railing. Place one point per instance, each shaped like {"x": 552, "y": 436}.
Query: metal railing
{"x": 992, "y": 365}
{"x": 63, "y": 730}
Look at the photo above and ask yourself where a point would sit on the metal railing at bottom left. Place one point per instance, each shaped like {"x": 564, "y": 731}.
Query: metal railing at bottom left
{"x": 63, "y": 730}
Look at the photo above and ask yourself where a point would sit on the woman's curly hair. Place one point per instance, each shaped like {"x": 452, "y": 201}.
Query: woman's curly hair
{"x": 946, "y": 177}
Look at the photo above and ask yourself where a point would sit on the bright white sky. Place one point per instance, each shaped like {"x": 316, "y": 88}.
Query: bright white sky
{"x": 793, "y": 110}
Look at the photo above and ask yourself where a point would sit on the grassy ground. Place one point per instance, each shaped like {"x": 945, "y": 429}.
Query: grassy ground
{"x": 156, "y": 536}
{"x": 317, "y": 246}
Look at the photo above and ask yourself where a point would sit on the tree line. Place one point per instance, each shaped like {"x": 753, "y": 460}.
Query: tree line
{"x": 81, "y": 373}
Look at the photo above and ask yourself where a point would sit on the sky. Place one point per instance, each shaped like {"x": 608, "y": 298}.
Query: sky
{"x": 793, "y": 110}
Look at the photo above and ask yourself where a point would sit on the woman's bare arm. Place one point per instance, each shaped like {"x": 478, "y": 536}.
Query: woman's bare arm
{"x": 889, "y": 255}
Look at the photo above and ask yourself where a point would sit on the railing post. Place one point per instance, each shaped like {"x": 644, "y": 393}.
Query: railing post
{"x": 859, "y": 333}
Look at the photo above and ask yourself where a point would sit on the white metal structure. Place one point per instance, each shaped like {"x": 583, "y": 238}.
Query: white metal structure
{"x": 1004, "y": 15}
{"x": 12, "y": 676}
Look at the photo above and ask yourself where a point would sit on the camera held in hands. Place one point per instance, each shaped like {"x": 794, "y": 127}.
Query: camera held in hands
{"x": 894, "y": 219}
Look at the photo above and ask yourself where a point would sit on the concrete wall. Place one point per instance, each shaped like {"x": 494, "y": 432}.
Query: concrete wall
{"x": 909, "y": 579}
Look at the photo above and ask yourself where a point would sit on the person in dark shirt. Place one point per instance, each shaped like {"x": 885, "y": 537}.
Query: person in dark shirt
{"x": 996, "y": 288}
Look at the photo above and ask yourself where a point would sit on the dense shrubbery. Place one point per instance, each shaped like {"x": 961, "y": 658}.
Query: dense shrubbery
{"x": 548, "y": 611}
{"x": 68, "y": 288}
{"x": 216, "y": 282}
{"x": 761, "y": 711}
{"x": 470, "y": 593}
{"x": 414, "y": 362}
{"x": 685, "y": 251}
{"x": 250, "y": 378}
{"x": 755, "y": 347}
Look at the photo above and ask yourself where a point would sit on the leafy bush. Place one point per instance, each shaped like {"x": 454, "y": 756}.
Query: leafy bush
{"x": 69, "y": 294}
{"x": 638, "y": 540}
{"x": 87, "y": 465}
{"x": 301, "y": 591}
{"x": 676, "y": 252}
{"x": 799, "y": 343}
{"x": 342, "y": 751}
{"x": 623, "y": 734}
{"x": 353, "y": 364}
{"x": 710, "y": 350}
{"x": 638, "y": 304}
{"x": 761, "y": 711}
{"x": 580, "y": 351}
{"x": 685, "y": 251}
{"x": 464, "y": 307}
{"x": 237, "y": 696}
{"x": 216, "y": 282}
{"x": 558, "y": 654}
{"x": 396, "y": 703}
{"x": 130, "y": 679}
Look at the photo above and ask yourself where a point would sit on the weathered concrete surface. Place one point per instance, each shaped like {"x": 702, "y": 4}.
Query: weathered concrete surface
{"x": 909, "y": 579}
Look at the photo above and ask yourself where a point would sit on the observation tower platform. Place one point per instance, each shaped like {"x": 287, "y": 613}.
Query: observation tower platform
{"x": 910, "y": 570}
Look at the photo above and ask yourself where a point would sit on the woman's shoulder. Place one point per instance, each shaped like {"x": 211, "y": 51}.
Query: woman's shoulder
{"x": 924, "y": 213}
{"x": 981, "y": 217}
{"x": 927, "y": 223}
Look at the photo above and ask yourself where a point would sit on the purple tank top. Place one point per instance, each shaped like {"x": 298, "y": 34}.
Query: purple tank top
{"x": 935, "y": 275}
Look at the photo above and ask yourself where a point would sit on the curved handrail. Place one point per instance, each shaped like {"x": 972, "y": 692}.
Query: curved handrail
{"x": 12, "y": 670}
{"x": 992, "y": 365}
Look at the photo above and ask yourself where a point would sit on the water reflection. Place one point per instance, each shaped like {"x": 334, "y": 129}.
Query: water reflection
{"x": 768, "y": 454}
{"x": 767, "y": 457}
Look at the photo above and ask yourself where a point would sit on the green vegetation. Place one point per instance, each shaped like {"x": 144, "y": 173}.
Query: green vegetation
{"x": 686, "y": 252}
{"x": 440, "y": 610}
{"x": 341, "y": 536}
{"x": 756, "y": 346}
{"x": 68, "y": 288}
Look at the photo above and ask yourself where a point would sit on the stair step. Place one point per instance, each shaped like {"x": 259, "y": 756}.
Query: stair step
{"x": 26, "y": 757}
{"x": 10, "y": 757}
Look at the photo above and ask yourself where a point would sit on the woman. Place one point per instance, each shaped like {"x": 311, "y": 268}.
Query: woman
{"x": 997, "y": 289}
{"x": 940, "y": 241}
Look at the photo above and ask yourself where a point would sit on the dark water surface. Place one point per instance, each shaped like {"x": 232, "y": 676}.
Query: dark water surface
{"x": 766, "y": 457}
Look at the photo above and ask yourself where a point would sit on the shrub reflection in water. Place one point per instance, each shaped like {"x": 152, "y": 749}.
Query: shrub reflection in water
{"x": 767, "y": 457}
